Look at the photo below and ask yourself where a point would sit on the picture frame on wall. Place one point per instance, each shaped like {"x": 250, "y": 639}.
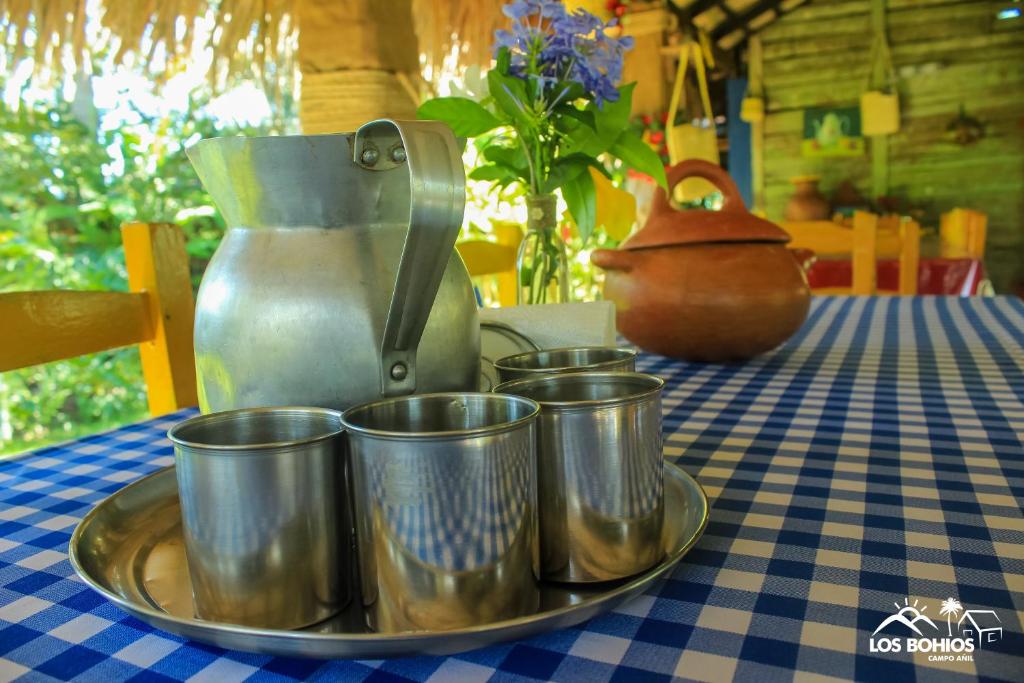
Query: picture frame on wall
{"x": 832, "y": 132}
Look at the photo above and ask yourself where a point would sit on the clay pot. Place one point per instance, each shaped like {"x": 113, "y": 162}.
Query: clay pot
{"x": 807, "y": 203}
{"x": 705, "y": 285}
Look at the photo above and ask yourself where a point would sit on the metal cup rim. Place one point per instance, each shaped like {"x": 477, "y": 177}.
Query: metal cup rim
{"x": 657, "y": 384}
{"x": 442, "y": 435}
{"x": 624, "y": 353}
{"x": 268, "y": 446}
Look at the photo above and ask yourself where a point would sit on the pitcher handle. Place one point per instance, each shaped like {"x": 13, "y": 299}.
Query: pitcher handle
{"x": 437, "y": 198}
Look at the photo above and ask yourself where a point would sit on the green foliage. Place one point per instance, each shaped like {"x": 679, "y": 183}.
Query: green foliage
{"x": 581, "y": 198}
{"x": 609, "y": 124}
{"x": 638, "y": 155}
{"x": 65, "y": 191}
{"x": 468, "y": 119}
{"x": 544, "y": 145}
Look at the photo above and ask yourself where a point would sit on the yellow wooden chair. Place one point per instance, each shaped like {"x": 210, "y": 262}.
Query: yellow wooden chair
{"x": 962, "y": 234}
{"x": 157, "y": 314}
{"x": 864, "y": 241}
{"x": 900, "y": 237}
{"x": 495, "y": 258}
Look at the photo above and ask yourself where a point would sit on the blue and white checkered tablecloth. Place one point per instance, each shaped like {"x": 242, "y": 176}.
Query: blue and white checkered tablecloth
{"x": 874, "y": 459}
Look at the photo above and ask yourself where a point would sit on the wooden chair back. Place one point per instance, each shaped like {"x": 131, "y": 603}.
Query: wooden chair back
{"x": 863, "y": 241}
{"x": 495, "y": 258}
{"x": 899, "y": 237}
{"x": 157, "y": 313}
{"x": 826, "y": 238}
{"x": 962, "y": 233}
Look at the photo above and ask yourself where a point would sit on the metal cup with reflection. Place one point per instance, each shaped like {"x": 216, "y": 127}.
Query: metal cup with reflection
{"x": 264, "y": 506}
{"x": 600, "y": 473}
{"x": 445, "y": 505}
{"x": 559, "y": 361}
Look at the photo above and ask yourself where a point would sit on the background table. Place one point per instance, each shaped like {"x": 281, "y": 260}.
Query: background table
{"x": 875, "y": 457}
{"x": 955, "y": 276}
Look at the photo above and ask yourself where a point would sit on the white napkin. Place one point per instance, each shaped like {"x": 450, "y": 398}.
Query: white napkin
{"x": 553, "y": 326}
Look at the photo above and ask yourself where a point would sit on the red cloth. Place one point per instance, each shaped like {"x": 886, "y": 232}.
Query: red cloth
{"x": 951, "y": 276}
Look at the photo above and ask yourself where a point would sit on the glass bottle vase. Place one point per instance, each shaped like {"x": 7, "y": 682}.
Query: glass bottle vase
{"x": 542, "y": 264}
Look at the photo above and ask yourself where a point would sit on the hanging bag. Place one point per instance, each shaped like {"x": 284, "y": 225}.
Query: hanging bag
{"x": 687, "y": 141}
{"x": 880, "y": 111}
{"x": 752, "y": 106}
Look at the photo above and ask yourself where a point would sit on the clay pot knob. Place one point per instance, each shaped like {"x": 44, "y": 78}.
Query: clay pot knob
{"x": 698, "y": 168}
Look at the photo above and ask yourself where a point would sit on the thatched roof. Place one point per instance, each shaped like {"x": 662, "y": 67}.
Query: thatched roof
{"x": 251, "y": 37}
{"x": 461, "y": 32}
{"x": 730, "y": 22}
{"x": 259, "y": 38}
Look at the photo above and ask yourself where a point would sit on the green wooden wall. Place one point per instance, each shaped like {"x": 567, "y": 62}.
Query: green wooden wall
{"x": 946, "y": 53}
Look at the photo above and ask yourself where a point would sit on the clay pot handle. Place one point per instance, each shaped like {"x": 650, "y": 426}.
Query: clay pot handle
{"x": 698, "y": 168}
{"x": 612, "y": 259}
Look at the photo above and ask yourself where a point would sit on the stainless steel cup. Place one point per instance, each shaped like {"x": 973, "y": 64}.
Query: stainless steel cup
{"x": 445, "y": 506}
{"x": 600, "y": 473}
{"x": 557, "y": 361}
{"x": 264, "y": 509}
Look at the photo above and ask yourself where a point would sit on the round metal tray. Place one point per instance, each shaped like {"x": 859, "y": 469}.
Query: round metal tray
{"x": 130, "y": 549}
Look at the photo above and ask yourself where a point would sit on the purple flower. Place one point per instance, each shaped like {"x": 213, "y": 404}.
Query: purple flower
{"x": 524, "y": 8}
{"x": 503, "y": 38}
{"x": 549, "y": 45}
{"x": 516, "y": 10}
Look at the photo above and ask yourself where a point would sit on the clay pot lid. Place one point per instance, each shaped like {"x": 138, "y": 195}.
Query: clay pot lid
{"x": 667, "y": 226}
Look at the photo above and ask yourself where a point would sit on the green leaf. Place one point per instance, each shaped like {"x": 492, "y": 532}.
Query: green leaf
{"x": 573, "y": 91}
{"x": 513, "y": 157}
{"x": 503, "y": 60}
{"x": 465, "y": 117}
{"x": 609, "y": 122}
{"x": 493, "y": 172}
{"x": 581, "y": 138}
{"x": 613, "y": 118}
{"x": 638, "y": 155}
{"x": 565, "y": 169}
{"x": 581, "y": 198}
{"x": 584, "y": 116}
{"x": 509, "y": 94}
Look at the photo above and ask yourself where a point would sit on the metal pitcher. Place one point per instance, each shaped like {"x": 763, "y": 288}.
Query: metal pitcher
{"x": 337, "y": 281}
